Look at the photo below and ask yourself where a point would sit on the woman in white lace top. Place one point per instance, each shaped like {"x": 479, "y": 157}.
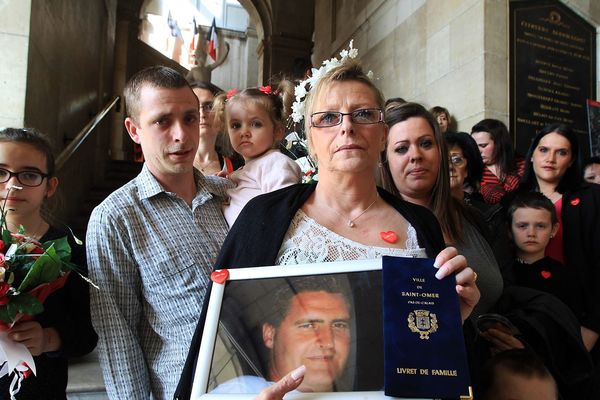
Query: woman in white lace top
{"x": 345, "y": 216}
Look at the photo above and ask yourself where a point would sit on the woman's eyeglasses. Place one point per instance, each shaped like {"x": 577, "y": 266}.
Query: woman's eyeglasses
{"x": 206, "y": 107}
{"x": 457, "y": 161}
{"x": 25, "y": 178}
{"x": 327, "y": 119}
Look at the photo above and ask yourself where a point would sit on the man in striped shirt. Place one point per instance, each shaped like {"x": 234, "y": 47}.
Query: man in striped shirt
{"x": 152, "y": 243}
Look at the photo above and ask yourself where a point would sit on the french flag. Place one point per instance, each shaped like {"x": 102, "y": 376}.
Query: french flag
{"x": 213, "y": 42}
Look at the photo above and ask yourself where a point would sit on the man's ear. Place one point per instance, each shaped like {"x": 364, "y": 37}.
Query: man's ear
{"x": 268, "y": 333}
{"x": 132, "y": 129}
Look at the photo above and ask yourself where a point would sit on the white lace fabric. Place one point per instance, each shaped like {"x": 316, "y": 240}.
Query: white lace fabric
{"x": 308, "y": 242}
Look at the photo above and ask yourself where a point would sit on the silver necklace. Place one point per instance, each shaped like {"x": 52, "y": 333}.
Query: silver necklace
{"x": 350, "y": 222}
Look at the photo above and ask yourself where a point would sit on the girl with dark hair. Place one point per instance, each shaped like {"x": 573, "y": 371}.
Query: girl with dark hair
{"x": 64, "y": 328}
{"x": 502, "y": 169}
{"x": 552, "y": 168}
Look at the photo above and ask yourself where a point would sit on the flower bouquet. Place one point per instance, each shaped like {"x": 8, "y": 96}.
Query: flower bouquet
{"x": 29, "y": 272}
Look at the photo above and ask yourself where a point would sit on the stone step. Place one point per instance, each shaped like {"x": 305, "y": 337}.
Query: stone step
{"x": 85, "y": 379}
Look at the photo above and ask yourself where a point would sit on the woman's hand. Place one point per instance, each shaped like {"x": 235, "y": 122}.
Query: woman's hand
{"x": 38, "y": 340}
{"x": 286, "y": 384}
{"x": 448, "y": 261}
{"x": 501, "y": 340}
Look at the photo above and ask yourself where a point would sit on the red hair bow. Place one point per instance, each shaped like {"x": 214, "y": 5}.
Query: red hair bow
{"x": 231, "y": 93}
{"x": 266, "y": 89}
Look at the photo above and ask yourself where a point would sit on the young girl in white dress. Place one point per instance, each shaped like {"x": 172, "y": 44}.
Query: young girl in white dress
{"x": 254, "y": 120}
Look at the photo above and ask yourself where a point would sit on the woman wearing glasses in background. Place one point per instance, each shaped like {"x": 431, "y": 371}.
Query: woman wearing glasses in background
{"x": 63, "y": 329}
{"x": 213, "y": 154}
{"x": 343, "y": 216}
{"x": 466, "y": 169}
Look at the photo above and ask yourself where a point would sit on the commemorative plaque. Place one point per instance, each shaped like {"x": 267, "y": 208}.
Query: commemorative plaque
{"x": 552, "y": 68}
{"x": 424, "y": 348}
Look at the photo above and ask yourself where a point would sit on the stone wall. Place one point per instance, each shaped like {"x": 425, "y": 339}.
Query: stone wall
{"x": 452, "y": 53}
{"x": 14, "y": 45}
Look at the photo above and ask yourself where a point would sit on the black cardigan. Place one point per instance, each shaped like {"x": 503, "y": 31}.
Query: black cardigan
{"x": 256, "y": 237}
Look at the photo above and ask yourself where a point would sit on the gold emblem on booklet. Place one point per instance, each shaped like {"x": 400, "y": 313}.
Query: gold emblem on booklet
{"x": 422, "y": 322}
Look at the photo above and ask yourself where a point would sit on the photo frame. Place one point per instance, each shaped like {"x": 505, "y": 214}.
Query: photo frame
{"x": 235, "y": 353}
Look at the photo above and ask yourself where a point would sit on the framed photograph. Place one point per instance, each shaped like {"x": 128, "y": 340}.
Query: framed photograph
{"x": 264, "y": 322}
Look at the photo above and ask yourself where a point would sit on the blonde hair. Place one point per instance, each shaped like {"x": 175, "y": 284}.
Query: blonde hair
{"x": 277, "y": 104}
{"x": 349, "y": 70}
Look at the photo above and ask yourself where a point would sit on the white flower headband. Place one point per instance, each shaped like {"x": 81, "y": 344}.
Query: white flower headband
{"x": 316, "y": 74}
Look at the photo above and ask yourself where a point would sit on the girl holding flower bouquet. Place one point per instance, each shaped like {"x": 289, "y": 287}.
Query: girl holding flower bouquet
{"x": 255, "y": 122}
{"x": 64, "y": 328}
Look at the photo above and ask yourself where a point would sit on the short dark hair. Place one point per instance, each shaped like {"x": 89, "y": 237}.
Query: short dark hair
{"x": 589, "y": 161}
{"x": 157, "y": 76}
{"x": 283, "y": 295}
{"x": 531, "y": 200}
{"x": 33, "y": 138}
{"x": 468, "y": 145}
{"x": 396, "y": 100}
{"x": 572, "y": 179}
{"x": 504, "y": 150}
{"x": 521, "y": 362}
{"x": 214, "y": 89}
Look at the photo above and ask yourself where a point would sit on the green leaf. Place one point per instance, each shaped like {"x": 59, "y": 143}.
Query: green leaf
{"x": 62, "y": 247}
{"x": 45, "y": 269}
{"x": 6, "y": 237}
{"x": 23, "y": 304}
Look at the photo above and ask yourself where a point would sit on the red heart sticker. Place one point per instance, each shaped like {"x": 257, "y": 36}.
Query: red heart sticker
{"x": 389, "y": 236}
{"x": 575, "y": 201}
{"x": 219, "y": 276}
{"x": 546, "y": 274}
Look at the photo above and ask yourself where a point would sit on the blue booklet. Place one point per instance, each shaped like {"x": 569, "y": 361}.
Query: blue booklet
{"x": 424, "y": 348}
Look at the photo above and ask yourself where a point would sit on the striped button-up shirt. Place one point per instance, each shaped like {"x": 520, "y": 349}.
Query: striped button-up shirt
{"x": 151, "y": 254}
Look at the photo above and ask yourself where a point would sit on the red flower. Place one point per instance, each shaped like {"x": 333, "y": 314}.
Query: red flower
{"x": 4, "y": 288}
{"x": 2, "y": 260}
{"x": 231, "y": 93}
{"x": 4, "y": 300}
{"x": 266, "y": 89}
{"x": 2, "y": 246}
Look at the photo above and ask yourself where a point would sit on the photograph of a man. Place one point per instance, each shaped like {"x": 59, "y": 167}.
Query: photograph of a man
{"x": 309, "y": 323}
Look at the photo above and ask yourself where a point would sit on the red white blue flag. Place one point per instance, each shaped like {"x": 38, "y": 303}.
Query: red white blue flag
{"x": 213, "y": 42}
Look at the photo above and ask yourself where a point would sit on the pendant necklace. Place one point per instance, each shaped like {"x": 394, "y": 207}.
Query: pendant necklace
{"x": 350, "y": 222}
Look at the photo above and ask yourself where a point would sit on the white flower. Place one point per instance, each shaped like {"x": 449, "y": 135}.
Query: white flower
{"x": 300, "y": 91}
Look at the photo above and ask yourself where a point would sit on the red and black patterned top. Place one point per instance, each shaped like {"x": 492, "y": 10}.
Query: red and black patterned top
{"x": 493, "y": 189}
